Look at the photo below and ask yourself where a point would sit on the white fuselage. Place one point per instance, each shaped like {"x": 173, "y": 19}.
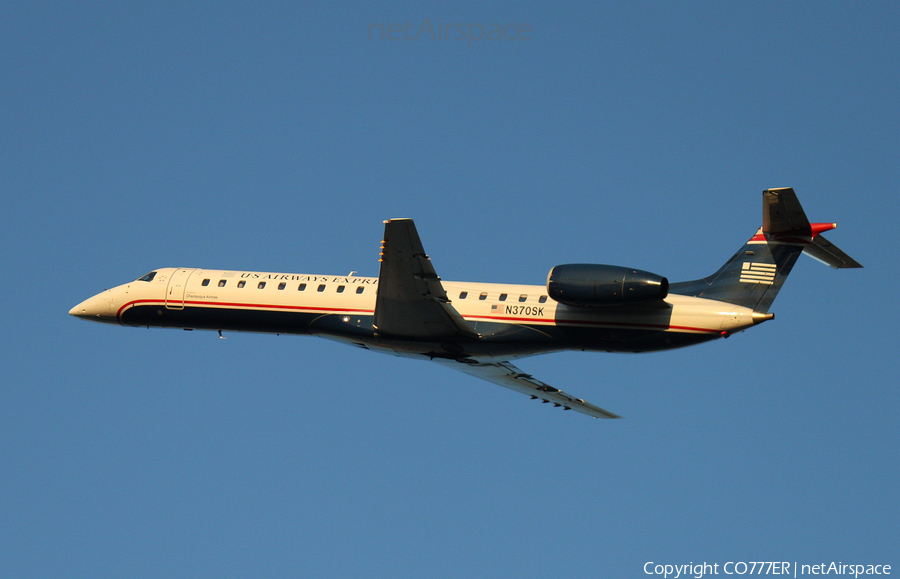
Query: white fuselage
{"x": 512, "y": 320}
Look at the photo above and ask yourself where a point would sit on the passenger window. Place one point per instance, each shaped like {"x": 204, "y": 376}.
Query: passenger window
{"x": 205, "y": 282}
{"x": 502, "y": 297}
{"x": 261, "y": 285}
{"x": 340, "y": 289}
{"x": 483, "y": 296}
{"x": 523, "y": 297}
{"x": 221, "y": 283}
{"x": 462, "y": 295}
{"x": 360, "y": 289}
{"x": 282, "y": 285}
{"x": 321, "y": 288}
{"x": 301, "y": 287}
{"x": 542, "y": 299}
{"x": 242, "y": 283}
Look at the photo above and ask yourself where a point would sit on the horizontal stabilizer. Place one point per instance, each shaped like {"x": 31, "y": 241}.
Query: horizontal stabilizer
{"x": 829, "y": 254}
{"x": 784, "y": 219}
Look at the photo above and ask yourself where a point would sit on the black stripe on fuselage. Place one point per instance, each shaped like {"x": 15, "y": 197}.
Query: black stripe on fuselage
{"x": 498, "y": 337}
{"x": 234, "y": 319}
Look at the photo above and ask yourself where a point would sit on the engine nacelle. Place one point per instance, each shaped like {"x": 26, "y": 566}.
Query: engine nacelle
{"x": 590, "y": 285}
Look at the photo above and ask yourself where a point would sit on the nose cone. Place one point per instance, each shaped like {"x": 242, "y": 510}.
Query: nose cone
{"x": 99, "y": 308}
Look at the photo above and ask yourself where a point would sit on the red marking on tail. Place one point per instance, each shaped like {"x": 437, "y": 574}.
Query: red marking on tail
{"x": 817, "y": 228}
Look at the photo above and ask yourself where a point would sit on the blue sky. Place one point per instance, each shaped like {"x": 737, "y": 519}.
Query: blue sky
{"x": 278, "y": 137}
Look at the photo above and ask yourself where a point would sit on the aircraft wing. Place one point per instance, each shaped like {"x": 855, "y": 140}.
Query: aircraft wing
{"x": 411, "y": 301}
{"x": 507, "y": 375}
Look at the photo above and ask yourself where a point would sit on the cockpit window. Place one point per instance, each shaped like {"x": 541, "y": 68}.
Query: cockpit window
{"x": 148, "y": 277}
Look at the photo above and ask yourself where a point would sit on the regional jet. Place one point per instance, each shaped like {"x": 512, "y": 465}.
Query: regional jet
{"x": 477, "y": 328}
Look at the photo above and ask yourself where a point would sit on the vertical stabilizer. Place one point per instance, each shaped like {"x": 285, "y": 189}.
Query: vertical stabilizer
{"x": 754, "y": 275}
